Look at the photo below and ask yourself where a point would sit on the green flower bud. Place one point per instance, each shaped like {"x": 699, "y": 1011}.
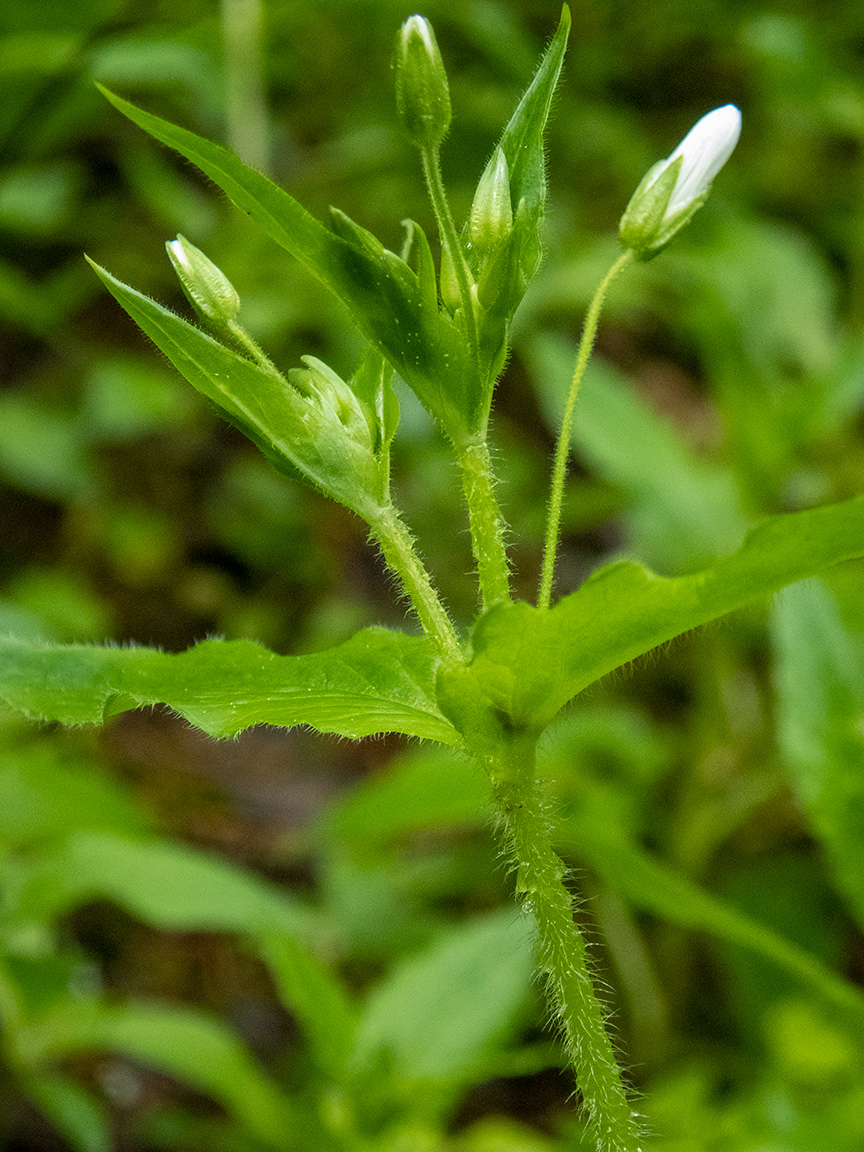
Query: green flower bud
{"x": 491, "y": 219}
{"x": 422, "y": 91}
{"x": 209, "y": 290}
{"x": 673, "y": 190}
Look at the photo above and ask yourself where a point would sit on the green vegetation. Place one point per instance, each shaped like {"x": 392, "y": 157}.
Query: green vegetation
{"x": 291, "y": 942}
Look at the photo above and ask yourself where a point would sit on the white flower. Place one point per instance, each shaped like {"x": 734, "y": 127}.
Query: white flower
{"x": 674, "y": 189}
{"x": 705, "y": 149}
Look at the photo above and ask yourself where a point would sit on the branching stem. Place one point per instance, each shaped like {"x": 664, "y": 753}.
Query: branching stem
{"x": 401, "y": 556}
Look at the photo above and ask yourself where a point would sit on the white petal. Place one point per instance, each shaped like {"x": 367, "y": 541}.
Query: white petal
{"x": 705, "y": 149}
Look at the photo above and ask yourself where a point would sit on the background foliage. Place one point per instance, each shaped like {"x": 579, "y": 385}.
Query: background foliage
{"x": 710, "y": 800}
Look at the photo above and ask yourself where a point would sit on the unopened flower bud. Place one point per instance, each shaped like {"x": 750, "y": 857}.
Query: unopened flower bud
{"x": 208, "y": 288}
{"x": 422, "y": 91}
{"x": 491, "y": 218}
{"x": 673, "y": 190}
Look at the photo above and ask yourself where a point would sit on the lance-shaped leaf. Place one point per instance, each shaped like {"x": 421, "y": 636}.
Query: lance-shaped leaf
{"x": 820, "y": 706}
{"x": 381, "y": 292}
{"x": 293, "y": 429}
{"x": 529, "y": 662}
{"x": 378, "y": 681}
{"x": 522, "y": 143}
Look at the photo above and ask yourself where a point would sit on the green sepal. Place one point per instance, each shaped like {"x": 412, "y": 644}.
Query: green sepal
{"x": 297, "y": 432}
{"x": 644, "y": 226}
{"x": 381, "y": 292}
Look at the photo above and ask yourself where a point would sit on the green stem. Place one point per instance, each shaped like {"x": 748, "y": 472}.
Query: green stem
{"x": 487, "y": 526}
{"x": 401, "y": 556}
{"x": 450, "y": 242}
{"x": 245, "y": 341}
{"x": 562, "y": 958}
{"x": 562, "y": 450}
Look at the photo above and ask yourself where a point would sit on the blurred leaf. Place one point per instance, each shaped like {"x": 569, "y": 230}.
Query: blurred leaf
{"x": 42, "y": 795}
{"x": 196, "y": 1049}
{"x": 168, "y": 885}
{"x": 649, "y": 884}
{"x": 63, "y": 601}
{"x": 378, "y": 681}
{"x": 820, "y": 690}
{"x": 127, "y": 397}
{"x": 316, "y": 998}
{"x": 423, "y": 790}
{"x": 73, "y": 1110}
{"x": 38, "y": 198}
{"x": 682, "y": 511}
{"x": 438, "y": 1015}
{"x": 42, "y": 450}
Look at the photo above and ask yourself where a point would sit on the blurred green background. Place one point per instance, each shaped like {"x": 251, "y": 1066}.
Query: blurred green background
{"x": 728, "y": 384}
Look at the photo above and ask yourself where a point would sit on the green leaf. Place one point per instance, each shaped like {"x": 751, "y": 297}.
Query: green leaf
{"x": 438, "y": 1015}
{"x": 167, "y": 885}
{"x": 44, "y": 794}
{"x": 649, "y": 884}
{"x": 522, "y": 143}
{"x": 194, "y": 1048}
{"x": 381, "y": 292}
{"x": 820, "y": 690}
{"x": 291, "y": 429}
{"x": 528, "y": 663}
{"x": 421, "y": 791}
{"x": 378, "y": 681}
{"x": 315, "y": 997}
{"x": 73, "y": 1110}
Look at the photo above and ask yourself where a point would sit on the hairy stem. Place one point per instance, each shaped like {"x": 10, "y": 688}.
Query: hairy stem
{"x": 401, "y": 556}
{"x": 487, "y": 527}
{"x": 562, "y": 450}
{"x": 562, "y": 958}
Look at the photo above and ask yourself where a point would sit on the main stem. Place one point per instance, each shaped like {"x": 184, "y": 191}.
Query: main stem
{"x": 487, "y": 526}
{"x": 562, "y": 450}
{"x": 401, "y": 557}
{"x": 563, "y": 960}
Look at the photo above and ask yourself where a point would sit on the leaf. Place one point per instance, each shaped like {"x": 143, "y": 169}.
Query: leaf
{"x": 315, "y": 997}
{"x": 522, "y": 142}
{"x": 436, "y": 1016}
{"x": 195, "y": 1049}
{"x": 167, "y": 885}
{"x": 651, "y": 885}
{"x": 381, "y": 292}
{"x": 73, "y": 1110}
{"x": 418, "y": 792}
{"x": 289, "y": 428}
{"x": 378, "y": 681}
{"x": 528, "y": 663}
{"x": 820, "y": 693}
